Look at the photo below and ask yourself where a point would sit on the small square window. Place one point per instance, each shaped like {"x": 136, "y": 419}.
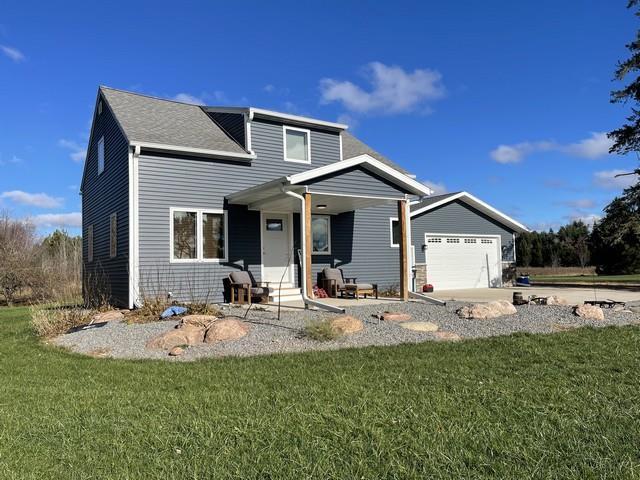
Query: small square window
{"x": 274, "y": 225}
{"x": 101, "y": 156}
{"x": 296, "y": 145}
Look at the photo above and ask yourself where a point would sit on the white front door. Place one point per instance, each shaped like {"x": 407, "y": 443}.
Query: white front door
{"x": 276, "y": 247}
{"x": 458, "y": 262}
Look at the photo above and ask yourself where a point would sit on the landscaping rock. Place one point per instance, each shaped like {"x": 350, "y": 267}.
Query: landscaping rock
{"x": 176, "y": 351}
{"x": 226, "y": 329}
{"x": 108, "y": 316}
{"x": 591, "y": 312}
{"x": 483, "y": 311}
{"x": 346, "y": 324}
{"x": 555, "y": 300}
{"x": 420, "y": 326}
{"x": 186, "y": 335}
{"x": 203, "y": 321}
{"x": 447, "y": 336}
{"x": 395, "y": 317}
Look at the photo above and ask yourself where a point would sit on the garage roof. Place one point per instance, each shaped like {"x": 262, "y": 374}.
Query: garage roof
{"x": 436, "y": 201}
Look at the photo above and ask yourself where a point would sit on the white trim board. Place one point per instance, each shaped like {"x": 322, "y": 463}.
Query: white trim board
{"x": 479, "y": 205}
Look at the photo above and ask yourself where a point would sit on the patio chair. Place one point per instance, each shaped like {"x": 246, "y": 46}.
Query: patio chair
{"x": 244, "y": 288}
{"x": 334, "y": 282}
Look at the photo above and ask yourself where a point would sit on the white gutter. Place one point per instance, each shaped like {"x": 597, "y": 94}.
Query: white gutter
{"x": 204, "y": 152}
{"x": 303, "y": 264}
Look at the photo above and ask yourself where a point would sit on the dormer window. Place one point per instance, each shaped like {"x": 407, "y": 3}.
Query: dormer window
{"x": 297, "y": 145}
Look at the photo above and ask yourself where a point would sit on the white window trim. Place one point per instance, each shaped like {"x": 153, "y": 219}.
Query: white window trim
{"x": 101, "y": 147}
{"x": 199, "y": 237}
{"x": 284, "y": 144}
{"x": 328, "y": 217}
{"x": 391, "y": 244}
{"x": 111, "y": 217}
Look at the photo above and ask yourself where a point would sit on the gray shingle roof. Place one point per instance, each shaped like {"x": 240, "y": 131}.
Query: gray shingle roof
{"x": 352, "y": 147}
{"x": 432, "y": 199}
{"x": 154, "y": 120}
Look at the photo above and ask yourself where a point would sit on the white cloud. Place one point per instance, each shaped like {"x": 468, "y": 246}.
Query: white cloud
{"x": 188, "y": 98}
{"x": 269, "y": 88}
{"x": 347, "y": 119}
{"x": 580, "y": 204}
{"x": 13, "y": 160}
{"x": 78, "y": 154}
{"x": 588, "y": 219}
{"x": 54, "y": 220}
{"x": 437, "y": 187}
{"x": 595, "y": 146}
{"x": 607, "y": 179}
{"x": 393, "y": 90}
{"x": 13, "y": 53}
{"x": 41, "y": 200}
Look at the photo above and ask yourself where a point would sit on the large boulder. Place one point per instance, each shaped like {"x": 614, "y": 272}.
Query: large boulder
{"x": 108, "y": 316}
{"x": 483, "y": 311}
{"x": 226, "y": 329}
{"x": 420, "y": 326}
{"x": 396, "y": 317}
{"x": 346, "y": 324}
{"x": 203, "y": 321}
{"x": 556, "y": 300}
{"x": 590, "y": 312}
{"x": 185, "y": 335}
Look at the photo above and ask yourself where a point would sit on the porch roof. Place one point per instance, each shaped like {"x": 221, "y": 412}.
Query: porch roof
{"x": 271, "y": 195}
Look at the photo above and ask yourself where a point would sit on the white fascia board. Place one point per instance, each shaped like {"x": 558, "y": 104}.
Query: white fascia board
{"x": 367, "y": 161}
{"x": 480, "y": 205}
{"x": 204, "y": 152}
{"x": 296, "y": 118}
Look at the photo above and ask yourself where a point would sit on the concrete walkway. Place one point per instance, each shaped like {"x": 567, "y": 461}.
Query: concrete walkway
{"x": 573, "y": 295}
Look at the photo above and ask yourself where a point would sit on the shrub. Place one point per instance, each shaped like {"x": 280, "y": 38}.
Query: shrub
{"x": 57, "y": 319}
{"x": 321, "y": 331}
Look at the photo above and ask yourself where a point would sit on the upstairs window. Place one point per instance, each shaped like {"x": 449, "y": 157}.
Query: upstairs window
{"x": 101, "y": 155}
{"x": 321, "y": 234}
{"x": 297, "y": 147}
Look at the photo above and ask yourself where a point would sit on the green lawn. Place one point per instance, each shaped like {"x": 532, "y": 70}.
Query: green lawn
{"x": 554, "y": 406}
{"x": 587, "y": 278}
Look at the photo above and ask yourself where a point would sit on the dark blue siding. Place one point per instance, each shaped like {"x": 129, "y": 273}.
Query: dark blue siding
{"x": 103, "y": 195}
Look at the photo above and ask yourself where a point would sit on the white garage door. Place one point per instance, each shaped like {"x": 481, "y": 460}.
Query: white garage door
{"x": 455, "y": 262}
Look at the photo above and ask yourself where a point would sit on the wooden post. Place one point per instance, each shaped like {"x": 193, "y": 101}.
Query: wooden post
{"x": 307, "y": 244}
{"x": 404, "y": 249}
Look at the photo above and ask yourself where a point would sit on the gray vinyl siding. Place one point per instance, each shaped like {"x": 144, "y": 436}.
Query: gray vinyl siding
{"x": 458, "y": 217}
{"x": 232, "y": 124}
{"x": 166, "y": 182}
{"x": 103, "y": 195}
{"x": 356, "y": 181}
{"x": 360, "y": 247}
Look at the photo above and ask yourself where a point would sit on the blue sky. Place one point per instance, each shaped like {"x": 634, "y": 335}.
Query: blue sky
{"x": 507, "y": 100}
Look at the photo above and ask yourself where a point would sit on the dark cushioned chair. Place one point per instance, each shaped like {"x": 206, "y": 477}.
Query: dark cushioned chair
{"x": 334, "y": 282}
{"x": 244, "y": 287}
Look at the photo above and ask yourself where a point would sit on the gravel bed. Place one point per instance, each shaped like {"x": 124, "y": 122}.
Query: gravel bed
{"x": 268, "y": 335}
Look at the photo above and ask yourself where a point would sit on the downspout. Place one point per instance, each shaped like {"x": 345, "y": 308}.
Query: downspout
{"x": 308, "y": 301}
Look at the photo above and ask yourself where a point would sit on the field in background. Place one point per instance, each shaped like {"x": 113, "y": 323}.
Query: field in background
{"x": 561, "y": 271}
{"x": 544, "y": 406}
{"x": 599, "y": 279}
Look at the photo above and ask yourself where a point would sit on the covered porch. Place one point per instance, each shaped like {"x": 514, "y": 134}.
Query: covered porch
{"x": 294, "y": 206}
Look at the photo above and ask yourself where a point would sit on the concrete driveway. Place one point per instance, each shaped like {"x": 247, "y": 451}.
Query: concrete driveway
{"x": 573, "y": 295}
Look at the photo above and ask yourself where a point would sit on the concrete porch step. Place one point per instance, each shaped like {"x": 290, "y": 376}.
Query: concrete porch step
{"x": 287, "y": 293}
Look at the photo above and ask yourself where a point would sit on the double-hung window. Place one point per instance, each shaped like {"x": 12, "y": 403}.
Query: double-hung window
{"x": 321, "y": 234}
{"x": 297, "y": 145}
{"x": 198, "y": 235}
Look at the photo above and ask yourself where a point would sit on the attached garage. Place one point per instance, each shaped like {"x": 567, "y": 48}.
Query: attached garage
{"x": 461, "y": 242}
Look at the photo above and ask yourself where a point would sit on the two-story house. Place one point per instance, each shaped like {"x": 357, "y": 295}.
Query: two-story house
{"x": 176, "y": 196}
